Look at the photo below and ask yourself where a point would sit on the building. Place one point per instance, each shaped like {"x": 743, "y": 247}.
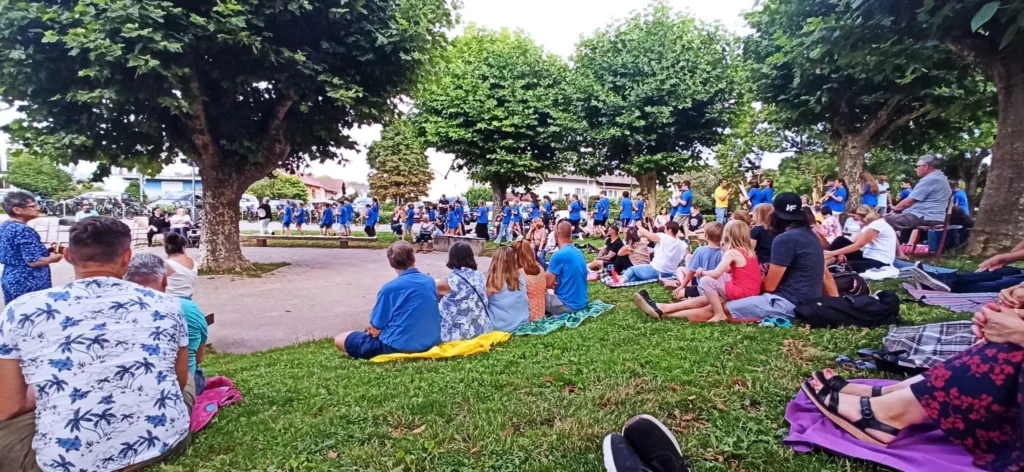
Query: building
{"x": 322, "y": 188}
{"x": 557, "y": 186}
{"x": 154, "y": 187}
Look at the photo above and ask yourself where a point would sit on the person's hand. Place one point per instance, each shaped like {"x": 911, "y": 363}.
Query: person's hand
{"x": 999, "y": 325}
{"x": 699, "y": 273}
{"x": 56, "y": 257}
{"x": 1012, "y": 297}
{"x": 993, "y": 263}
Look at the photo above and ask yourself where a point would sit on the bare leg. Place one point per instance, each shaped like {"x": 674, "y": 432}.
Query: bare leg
{"x": 339, "y": 341}
{"x": 695, "y": 315}
{"x": 862, "y": 390}
{"x": 689, "y": 304}
{"x": 716, "y": 306}
{"x": 898, "y": 409}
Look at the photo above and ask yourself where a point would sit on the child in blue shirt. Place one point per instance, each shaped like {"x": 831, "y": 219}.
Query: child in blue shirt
{"x": 626, "y": 213}
{"x": 286, "y": 220}
{"x": 410, "y": 219}
{"x": 327, "y": 221}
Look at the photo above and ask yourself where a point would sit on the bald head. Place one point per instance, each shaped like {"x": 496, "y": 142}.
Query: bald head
{"x": 563, "y": 233}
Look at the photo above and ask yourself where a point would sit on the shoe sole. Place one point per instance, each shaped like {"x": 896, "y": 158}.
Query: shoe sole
{"x": 842, "y": 423}
{"x": 644, "y": 306}
{"x": 609, "y": 459}
{"x": 922, "y": 277}
{"x": 660, "y": 425}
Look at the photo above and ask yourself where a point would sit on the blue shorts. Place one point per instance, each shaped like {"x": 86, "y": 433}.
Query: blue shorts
{"x": 363, "y": 346}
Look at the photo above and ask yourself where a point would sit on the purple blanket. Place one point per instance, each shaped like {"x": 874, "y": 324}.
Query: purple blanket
{"x": 956, "y": 302}
{"x": 917, "y": 448}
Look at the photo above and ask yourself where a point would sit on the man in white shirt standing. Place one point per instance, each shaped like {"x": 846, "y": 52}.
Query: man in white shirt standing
{"x": 668, "y": 253}
{"x": 883, "y": 195}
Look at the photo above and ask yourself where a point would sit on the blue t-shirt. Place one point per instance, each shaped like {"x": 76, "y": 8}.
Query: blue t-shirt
{"x": 534, "y": 210}
{"x": 407, "y": 313}
{"x": 198, "y": 331}
{"x": 754, "y": 194}
{"x": 627, "y": 209}
{"x": 433, "y": 214}
{"x": 570, "y": 269}
{"x": 960, "y": 198}
{"x": 301, "y": 216}
{"x": 506, "y": 215}
{"x": 767, "y": 195}
{"x": 287, "y": 218}
{"x": 799, "y": 251}
{"x": 905, "y": 193}
{"x": 603, "y": 208}
{"x": 482, "y": 215}
{"x": 328, "y": 218}
{"x": 686, "y": 202}
{"x": 344, "y": 217}
{"x": 547, "y": 207}
{"x": 410, "y": 216}
{"x": 868, "y": 198}
{"x": 574, "y": 211}
{"x": 517, "y": 217}
{"x": 371, "y": 217}
{"x": 705, "y": 257}
{"x": 349, "y": 212}
{"x": 639, "y": 209}
{"x": 840, "y": 206}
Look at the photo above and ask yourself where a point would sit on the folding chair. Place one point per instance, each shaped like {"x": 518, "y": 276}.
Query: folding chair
{"x": 945, "y": 227}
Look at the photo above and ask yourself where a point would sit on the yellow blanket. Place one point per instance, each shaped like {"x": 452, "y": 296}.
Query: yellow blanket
{"x": 465, "y": 347}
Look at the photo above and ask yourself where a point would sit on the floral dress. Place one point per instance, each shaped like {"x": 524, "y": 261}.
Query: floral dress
{"x": 464, "y": 309}
{"x": 20, "y": 246}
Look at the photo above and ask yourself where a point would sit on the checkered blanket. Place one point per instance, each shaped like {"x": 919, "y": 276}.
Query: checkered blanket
{"x": 931, "y": 344}
{"x": 957, "y": 302}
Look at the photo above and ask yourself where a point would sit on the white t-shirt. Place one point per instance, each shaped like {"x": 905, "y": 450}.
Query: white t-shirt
{"x": 883, "y": 194}
{"x": 181, "y": 221}
{"x": 883, "y": 248}
{"x": 667, "y": 254}
{"x": 852, "y": 227}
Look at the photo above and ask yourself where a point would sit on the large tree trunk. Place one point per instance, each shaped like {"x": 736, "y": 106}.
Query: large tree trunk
{"x": 220, "y": 249}
{"x": 649, "y": 188}
{"x": 500, "y": 193}
{"x": 1000, "y": 223}
{"x": 972, "y": 175}
{"x": 850, "y": 158}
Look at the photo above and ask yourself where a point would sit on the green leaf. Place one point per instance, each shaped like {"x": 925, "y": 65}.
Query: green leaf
{"x": 1011, "y": 33}
{"x": 984, "y": 14}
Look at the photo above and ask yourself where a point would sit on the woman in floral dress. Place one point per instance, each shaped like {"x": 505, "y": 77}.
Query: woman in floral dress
{"x": 463, "y": 295}
{"x": 25, "y": 258}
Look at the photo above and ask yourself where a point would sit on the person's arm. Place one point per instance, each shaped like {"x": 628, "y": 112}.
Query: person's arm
{"x": 201, "y": 353}
{"x": 442, "y": 287}
{"x": 34, "y": 252}
{"x": 551, "y": 280}
{"x": 1001, "y": 260}
{"x": 16, "y": 397}
{"x": 865, "y": 238}
{"x": 728, "y": 258}
{"x": 644, "y": 233}
{"x": 773, "y": 278}
{"x": 829, "y": 284}
{"x": 181, "y": 366}
{"x": 904, "y": 204}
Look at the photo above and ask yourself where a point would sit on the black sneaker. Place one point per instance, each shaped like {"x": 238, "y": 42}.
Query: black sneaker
{"x": 619, "y": 456}
{"x": 925, "y": 279}
{"x": 643, "y": 300}
{"x": 654, "y": 444}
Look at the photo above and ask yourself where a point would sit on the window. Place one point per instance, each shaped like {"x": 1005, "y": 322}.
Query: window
{"x": 582, "y": 192}
{"x": 612, "y": 193}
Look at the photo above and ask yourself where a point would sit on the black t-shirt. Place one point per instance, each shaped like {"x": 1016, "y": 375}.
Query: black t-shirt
{"x": 266, "y": 211}
{"x": 799, "y": 251}
{"x": 763, "y": 245}
{"x": 696, "y": 222}
{"x": 613, "y": 247}
{"x": 159, "y": 222}
{"x": 442, "y": 207}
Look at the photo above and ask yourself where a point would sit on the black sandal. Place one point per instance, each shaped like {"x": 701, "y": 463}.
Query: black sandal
{"x": 837, "y": 383}
{"x": 857, "y": 429}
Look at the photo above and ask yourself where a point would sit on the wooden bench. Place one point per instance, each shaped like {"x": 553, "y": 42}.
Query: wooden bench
{"x": 261, "y": 240}
{"x": 444, "y": 242}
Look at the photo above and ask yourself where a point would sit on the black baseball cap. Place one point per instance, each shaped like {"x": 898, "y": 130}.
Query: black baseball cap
{"x": 789, "y": 207}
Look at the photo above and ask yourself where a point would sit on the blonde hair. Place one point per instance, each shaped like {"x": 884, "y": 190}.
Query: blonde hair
{"x": 872, "y": 183}
{"x": 504, "y": 271}
{"x": 763, "y": 214}
{"x": 741, "y": 215}
{"x": 737, "y": 236}
{"x": 525, "y": 258}
{"x": 867, "y": 213}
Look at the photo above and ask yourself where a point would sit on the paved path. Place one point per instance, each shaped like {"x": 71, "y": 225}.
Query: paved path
{"x": 322, "y": 293}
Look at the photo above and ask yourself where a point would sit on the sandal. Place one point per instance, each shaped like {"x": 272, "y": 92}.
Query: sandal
{"x": 837, "y": 383}
{"x": 857, "y": 429}
{"x": 848, "y": 363}
{"x": 776, "y": 322}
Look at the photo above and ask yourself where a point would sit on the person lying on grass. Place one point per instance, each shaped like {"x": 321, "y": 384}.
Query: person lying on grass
{"x": 610, "y": 251}
{"x": 737, "y": 276}
{"x": 974, "y": 396}
{"x": 992, "y": 276}
{"x": 705, "y": 257}
{"x": 405, "y": 318}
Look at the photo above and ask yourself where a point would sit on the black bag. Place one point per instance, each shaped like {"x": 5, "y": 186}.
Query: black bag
{"x": 852, "y": 310}
{"x": 848, "y": 282}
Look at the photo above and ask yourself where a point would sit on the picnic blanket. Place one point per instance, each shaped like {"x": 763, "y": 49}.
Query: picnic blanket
{"x": 461, "y": 348}
{"x": 606, "y": 278}
{"x": 931, "y": 344}
{"x": 922, "y": 447}
{"x": 957, "y": 302}
{"x": 570, "y": 320}
{"x": 905, "y": 268}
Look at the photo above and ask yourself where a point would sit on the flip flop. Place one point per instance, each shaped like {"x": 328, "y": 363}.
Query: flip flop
{"x": 857, "y": 429}
{"x": 776, "y": 322}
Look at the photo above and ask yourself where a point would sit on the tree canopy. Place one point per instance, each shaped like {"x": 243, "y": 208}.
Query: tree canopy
{"x": 240, "y": 87}
{"x": 37, "y": 175}
{"x": 399, "y": 163}
{"x": 279, "y": 186}
{"x": 652, "y": 92}
{"x": 493, "y": 102}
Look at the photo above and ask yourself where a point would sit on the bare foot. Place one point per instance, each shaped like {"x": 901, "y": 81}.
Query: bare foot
{"x": 850, "y": 409}
{"x": 718, "y": 319}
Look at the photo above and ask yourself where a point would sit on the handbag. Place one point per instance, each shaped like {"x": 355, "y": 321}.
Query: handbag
{"x": 483, "y": 300}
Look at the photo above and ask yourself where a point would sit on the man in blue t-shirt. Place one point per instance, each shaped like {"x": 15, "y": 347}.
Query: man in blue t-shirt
{"x": 601, "y": 212}
{"x": 575, "y": 207}
{"x": 753, "y": 197}
{"x": 626, "y": 213}
{"x": 567, "y": 275}
{"x": 349, "y": 216}
{"x": 685, "y": 203}
{"x": 406, "y": 317}
{"x": 926, "y": 204}
{"x": 835, "y": 197}
{"x": 767, "y": 191}
{"x": 505, "y": 230}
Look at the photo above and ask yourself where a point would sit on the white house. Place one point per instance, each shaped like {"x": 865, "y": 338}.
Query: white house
{"x": 557, "y": 186}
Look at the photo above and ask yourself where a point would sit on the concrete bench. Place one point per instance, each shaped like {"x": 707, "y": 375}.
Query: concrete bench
{"x": 444, "y": 243}
{"x": 261, "y": 240}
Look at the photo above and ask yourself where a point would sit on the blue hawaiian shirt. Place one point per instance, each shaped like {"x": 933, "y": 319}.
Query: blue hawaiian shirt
{"x": 464, "y": 309}
{"x": 20, "y": 246}
{"x": 100, "y": 354}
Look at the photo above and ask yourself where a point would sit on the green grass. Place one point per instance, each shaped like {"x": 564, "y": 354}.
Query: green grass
{"x": 535, "y": 403}
{"x": 258, "y": 270}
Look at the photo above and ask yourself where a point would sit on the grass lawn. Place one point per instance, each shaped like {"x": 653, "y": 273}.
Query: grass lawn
{"x": 535, "y": 403}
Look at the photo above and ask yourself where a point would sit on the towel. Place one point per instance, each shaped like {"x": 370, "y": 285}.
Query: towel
{"x": 461, "y": 348}
{"x": 570, "y": 320}
{"x": 881, "y": 273}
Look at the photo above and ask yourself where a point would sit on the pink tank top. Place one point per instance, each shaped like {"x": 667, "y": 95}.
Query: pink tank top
{"x": 744, "y": 281}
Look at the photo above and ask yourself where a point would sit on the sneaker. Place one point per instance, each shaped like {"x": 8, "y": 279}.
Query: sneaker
{"x": 643, "y": 301}
{"x": 925, "y": 279}
{"x": 619, "y": 456}
{"x": 654, "y": 444}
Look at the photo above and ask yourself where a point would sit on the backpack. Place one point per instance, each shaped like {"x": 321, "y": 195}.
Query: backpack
{"x": 848, "y": 282}
{"x": 851, "y": 310}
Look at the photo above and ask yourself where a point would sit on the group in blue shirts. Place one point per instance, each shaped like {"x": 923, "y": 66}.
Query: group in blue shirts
{"x": 760, "y": 192}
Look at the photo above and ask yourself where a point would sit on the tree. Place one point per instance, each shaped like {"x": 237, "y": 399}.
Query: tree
{"x": 493, "y": 102}
{"x": 37, "y": 175}
{"x": 987, "y": 35}
{"x": 399, "y": 163}
{"x": 652, "y": 92}
{"x": 477, "y": 193}
{"x": 240, "y": 87}
{"x": 751, "y": 134}
{"x": 818, "y": 69}
{"x": 279, "y": 186}
{"x": 135, "y": 190}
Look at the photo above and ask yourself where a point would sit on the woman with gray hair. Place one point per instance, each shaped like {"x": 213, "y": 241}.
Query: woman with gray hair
{"x": 25, "y": 258}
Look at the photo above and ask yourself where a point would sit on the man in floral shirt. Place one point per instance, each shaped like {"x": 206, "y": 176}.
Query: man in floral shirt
{"x": 92, "y": 372}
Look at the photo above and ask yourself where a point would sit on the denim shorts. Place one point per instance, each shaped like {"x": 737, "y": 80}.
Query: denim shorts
{"x": 363, "y": 346}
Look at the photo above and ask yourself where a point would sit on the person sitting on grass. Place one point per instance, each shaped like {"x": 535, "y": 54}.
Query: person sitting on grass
{"x": 507, "y": 302}
{"x": 182, "y": 270}
{"x": 875, "y": 247}
{"x": 567, "y": 274}
{"x": 761, "y": 235}
{"x": 149, "y": 270}
{"x": 426, "y": 235}
{"x": 830, "y": 225}
{"x": 91, "y": 366}
{"x": 974, "y": 396}
{"x": 694, "y": 221}
{"x": 737, "y": 276}
{"x": 635, "y": 251}
{"x": 326, "y": 221}
{"x": 536, "y": 279}
{"x": 406, "y": 316}
{"x": 463, "y": 302}
{"x": 668, "y": 253}
{"x": 705, "y": 257}
{"x": 610, "y": 252}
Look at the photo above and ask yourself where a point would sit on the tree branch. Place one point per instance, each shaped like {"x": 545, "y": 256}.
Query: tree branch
{"x": 975, "y": 50}
{"x": 276, "y": 146}
{"x": 882, "y": 118}
{"x": 207, "y": 150}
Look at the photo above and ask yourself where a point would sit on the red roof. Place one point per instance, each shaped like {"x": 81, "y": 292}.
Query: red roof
{"x": 330, "y": 185}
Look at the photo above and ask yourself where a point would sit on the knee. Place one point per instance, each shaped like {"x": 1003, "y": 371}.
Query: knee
{"x": 339, "y": 341}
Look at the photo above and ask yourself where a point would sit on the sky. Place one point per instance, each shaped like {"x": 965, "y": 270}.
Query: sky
{"x": 554, "y": 24}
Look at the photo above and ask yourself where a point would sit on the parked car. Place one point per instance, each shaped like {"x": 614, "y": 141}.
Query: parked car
{"x": 177, "y": 199}
{"x": 248, "y": 201}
